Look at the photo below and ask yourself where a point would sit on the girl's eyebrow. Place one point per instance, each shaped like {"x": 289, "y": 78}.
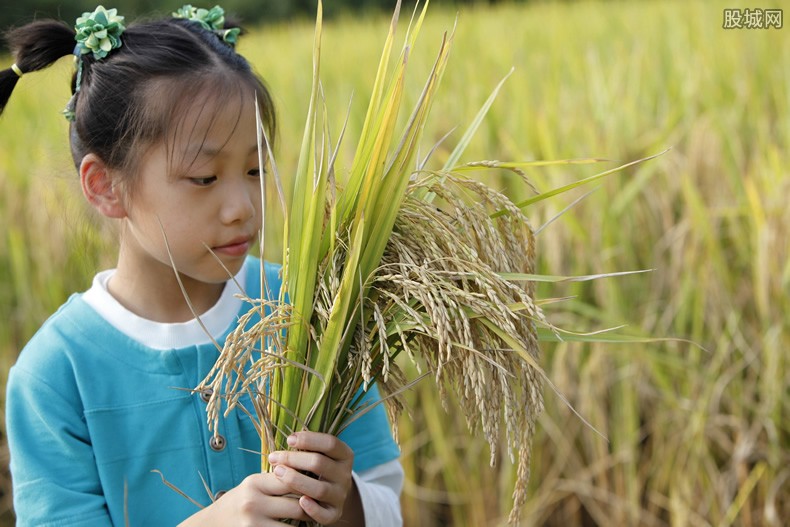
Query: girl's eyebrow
{"x": 210, "y": 151}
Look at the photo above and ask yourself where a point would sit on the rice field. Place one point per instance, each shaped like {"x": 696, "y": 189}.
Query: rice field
{"x": 698, "y": 433}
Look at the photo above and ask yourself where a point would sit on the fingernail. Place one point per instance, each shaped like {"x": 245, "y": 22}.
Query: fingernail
{"x": 274, "y": 458}
{"x": 291, "y": 440}
{"x": 279, "y": 471}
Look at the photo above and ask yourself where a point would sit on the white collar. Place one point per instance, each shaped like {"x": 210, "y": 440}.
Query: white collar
{"x": 160, "y": 335}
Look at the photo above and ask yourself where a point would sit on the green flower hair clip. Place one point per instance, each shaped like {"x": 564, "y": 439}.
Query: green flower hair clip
{"x": 211, "y": 19}
{"x": 99, "y": 32}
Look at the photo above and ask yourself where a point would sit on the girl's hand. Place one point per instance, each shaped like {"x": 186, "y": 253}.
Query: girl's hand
{"x": 326, "y": 494}
{"x": 261, "y": 500}
{"x": 319, "y": 470}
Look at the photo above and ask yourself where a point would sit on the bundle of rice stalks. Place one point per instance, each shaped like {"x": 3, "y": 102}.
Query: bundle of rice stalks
{"x": 400, "y": 258}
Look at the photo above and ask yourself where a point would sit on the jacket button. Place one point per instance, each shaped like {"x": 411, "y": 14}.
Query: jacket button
{"x": 217, "y": 443}
{"x": 205, "y": 394}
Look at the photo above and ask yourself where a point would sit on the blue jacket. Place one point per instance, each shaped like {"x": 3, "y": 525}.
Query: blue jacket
{"x": 91, "y": 414}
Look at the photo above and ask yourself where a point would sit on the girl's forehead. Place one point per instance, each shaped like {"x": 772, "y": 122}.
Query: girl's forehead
{"x": 208, "y": 124}
{"x": 210, "y": 127}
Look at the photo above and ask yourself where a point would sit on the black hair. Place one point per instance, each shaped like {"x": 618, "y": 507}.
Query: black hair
{"x": 129, "y": 98}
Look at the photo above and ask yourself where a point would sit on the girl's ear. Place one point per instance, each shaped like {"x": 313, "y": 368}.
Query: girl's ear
{"x": 98, "y": 187}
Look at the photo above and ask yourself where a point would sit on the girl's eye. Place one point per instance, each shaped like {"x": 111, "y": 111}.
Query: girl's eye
{"x": 203, "y": 181}
{"x": 254, "y": 172}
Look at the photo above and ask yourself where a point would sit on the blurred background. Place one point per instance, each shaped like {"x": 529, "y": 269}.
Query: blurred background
{"x": 698, "y": 434}
{"x": 251, "y": 12}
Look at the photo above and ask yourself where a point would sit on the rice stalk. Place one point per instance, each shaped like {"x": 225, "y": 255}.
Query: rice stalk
{"x": 430, "y": 263}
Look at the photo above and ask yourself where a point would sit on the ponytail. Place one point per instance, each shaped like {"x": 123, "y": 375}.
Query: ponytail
{"x": 35, "y": 47}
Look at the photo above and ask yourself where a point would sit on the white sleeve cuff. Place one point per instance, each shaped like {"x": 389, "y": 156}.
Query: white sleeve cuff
{"x": 379, "y": 489}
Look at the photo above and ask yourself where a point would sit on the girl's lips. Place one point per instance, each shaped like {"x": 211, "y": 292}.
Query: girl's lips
{"x": 239, "y": 248}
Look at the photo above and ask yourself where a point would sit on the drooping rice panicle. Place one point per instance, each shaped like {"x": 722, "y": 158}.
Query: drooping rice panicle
{"x": 430, "y": 263}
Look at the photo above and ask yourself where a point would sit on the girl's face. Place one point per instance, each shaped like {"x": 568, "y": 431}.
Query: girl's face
{"x": 201, "y": 190}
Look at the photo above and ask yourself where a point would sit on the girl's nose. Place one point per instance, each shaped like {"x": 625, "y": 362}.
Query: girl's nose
{"x": 239, "y": 203}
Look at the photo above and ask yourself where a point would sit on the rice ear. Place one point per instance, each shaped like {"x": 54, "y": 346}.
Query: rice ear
{"x": 432, "y": 263}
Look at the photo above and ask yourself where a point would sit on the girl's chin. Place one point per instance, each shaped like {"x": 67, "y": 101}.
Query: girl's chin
{"x": 229, "y": 268}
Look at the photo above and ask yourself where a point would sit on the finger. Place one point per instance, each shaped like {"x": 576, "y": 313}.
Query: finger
{"x": 252, "y": 501}
{"x": 267, "y": 484}
{"x": 323, "y": 491}
{"x": 327, "y": 444}
{"x": 321, "y": 513}
{"x": 279, "y": 507}
{"x": 315, "y": 463}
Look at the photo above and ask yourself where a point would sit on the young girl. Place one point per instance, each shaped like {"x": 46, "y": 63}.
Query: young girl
{"x": 99, "y": 406}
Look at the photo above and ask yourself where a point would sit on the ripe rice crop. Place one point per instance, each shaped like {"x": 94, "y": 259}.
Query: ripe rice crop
{"x": 695, "y": 437}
